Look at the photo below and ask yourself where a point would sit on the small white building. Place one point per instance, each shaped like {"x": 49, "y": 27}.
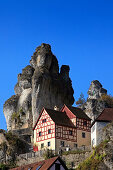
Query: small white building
{"x": 97, "y": 126}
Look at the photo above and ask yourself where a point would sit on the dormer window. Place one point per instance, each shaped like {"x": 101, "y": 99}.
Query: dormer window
{"x": 44, "y": 120}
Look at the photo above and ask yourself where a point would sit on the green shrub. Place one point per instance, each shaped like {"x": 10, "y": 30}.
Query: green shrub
{"x": 108, "y": 99}
{"x": 96, "y": 157}
{"x": 49, "y": 154}
{"x": 3, "y": 167}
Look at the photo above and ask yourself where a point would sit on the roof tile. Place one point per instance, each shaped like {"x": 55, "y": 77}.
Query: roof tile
{"x": 60, "y": 118}
{"x": 79, "y": 113}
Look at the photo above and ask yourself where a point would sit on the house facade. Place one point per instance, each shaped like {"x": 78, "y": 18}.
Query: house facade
{"x": 82, "y": 123}
{"x": 63, "y": 129}
{"x": 97, "y": 126}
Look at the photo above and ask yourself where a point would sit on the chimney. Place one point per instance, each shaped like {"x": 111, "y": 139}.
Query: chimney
{"x": 56, "y": 108}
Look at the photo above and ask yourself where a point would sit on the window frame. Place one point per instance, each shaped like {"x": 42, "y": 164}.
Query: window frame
{"x": 40, "y": 133}
{"x": 62, "y": 143}
{"x": 49, "y": 144}
{"x": 75, "y": 145}
{"x": 44, "y": 120}
{"x": 85, "y": 122}
{"x": 83, "y": 135}
{"x": 49, "y": 131}
{"x": 70, "y": 132}
{"x": 42, "y": 145}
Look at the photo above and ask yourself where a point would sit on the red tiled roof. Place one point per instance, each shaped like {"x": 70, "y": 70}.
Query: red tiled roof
{"x": 48, "y": 163}
{"x": 79, "y": 113}
{"x": 60, "y": 118}
{"x": 44, "y": 165}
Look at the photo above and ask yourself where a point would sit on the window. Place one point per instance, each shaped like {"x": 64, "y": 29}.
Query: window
{"x": 49, "y": 131}
{"x": 57, "y": 166}
{"x": 40, "y": 134}
{"x": 72, "y": 164}
{"x": 44, "y": 120}
{"x": 83, "y": 135}
{"x": 75, "y": 145}
{"x": 48, "y": 144}
{"x": 38, "y": 167}
{"x": 93, "y": 141}
{"x": 70, "y": 132}
{"x": 42, "y": 145}
{"x": 62, "y": 143}
{"x": 85, "y": 123}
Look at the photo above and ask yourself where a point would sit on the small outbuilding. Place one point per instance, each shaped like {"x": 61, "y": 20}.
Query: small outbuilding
{"x": 97, "y": 126}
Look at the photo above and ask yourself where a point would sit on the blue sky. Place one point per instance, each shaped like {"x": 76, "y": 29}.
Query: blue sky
{"x": 80, "y": 33}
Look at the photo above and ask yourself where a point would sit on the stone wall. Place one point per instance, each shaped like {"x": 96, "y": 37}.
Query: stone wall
{"x": 73, "y": 160}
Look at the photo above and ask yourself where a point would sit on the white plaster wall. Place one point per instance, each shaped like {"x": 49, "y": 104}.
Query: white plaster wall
{"x": 93, "y": 135}
{"x": 53, "y": 167}
{"x": 99, "y": 133}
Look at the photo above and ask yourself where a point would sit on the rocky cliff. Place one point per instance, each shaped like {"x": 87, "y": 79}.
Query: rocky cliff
{"x": 39, "y": 85}
{"x": 11, "y": 146}
{"x": 94, "y": 105}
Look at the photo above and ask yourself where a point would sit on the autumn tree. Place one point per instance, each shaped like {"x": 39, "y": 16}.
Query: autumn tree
{"x": 108, "y": 99}
{"x": 81, "y": 100}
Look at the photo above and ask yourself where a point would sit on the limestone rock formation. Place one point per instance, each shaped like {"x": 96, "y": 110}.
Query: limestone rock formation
{"x": 96, "y": 90}
{"x": 40, "y": 85}
{"x": 93, "y": 107}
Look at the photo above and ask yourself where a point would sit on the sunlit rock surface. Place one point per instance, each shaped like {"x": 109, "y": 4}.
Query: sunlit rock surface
{"x": 39, "y": 85}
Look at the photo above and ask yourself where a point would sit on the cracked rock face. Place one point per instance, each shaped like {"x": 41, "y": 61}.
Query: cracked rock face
{"x": 39, "y": 85}
{"x": 93, "y": 106}
{"x": 95, "y": 90}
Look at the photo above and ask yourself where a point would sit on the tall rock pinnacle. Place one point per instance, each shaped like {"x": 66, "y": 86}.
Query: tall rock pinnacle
{"x": 93, "y": 106}
{"x": 39, "y": 85}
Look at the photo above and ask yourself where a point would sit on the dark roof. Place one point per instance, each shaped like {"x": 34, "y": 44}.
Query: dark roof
{"x": 60, "y": 118}
{"x": 79, "y": 113}
{"x": 44, "y": 165}
{"x": 105, "y": 116}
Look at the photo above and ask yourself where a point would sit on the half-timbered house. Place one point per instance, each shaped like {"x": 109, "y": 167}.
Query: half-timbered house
{"x": 62, "y": 129}
{"x": 82, "y": 123}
